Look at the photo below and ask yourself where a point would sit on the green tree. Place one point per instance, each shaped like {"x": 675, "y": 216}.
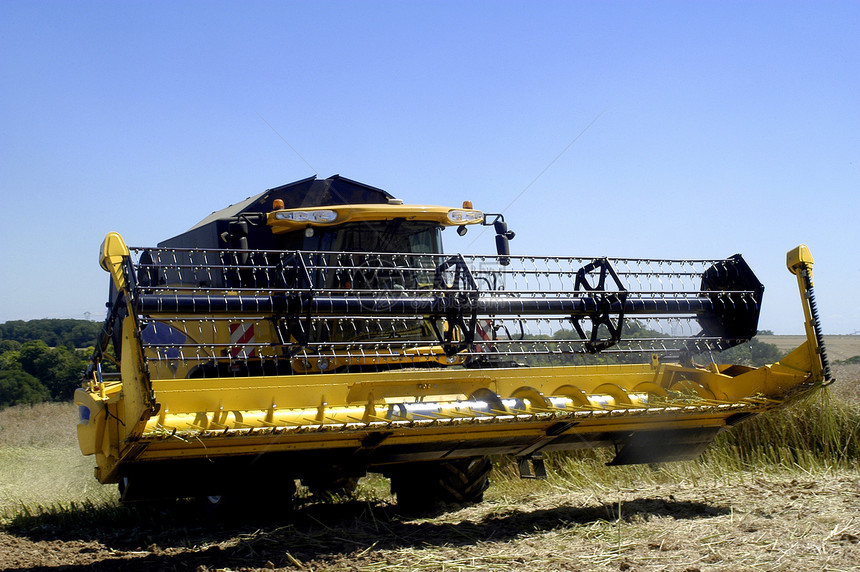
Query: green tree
{"x": 762, "y": 353}
{"x": 38, "y": 358}
{"x": 58, "y": 369}
{"x": 54, "y": 332}
{"x": 9, "y": 346}
{"x": 754, "y": 353}
{"x": 11, "y": 360}
{"x": 18, "y": 387}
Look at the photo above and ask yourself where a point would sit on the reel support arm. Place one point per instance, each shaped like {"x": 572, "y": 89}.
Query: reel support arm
{"x": 799, "y": 262}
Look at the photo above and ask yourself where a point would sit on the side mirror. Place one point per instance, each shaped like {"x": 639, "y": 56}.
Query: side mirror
{"x": 501, "y": 228}
{"x": 238, "y": 228}
{"x": 236, "y": 235}
{"x": 503, "y": 249}
{"x": 503, "y": 237}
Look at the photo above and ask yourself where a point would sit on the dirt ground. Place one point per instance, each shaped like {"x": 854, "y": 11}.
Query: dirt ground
{"x": 742, "y": 521}
{"x": 758, "y": 522}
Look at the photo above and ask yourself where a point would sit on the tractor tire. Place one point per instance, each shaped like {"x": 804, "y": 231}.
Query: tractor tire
{"x": 424, "y": 487}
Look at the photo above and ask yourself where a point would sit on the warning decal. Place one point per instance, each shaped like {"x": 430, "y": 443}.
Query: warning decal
{"x": 242, "y": 340}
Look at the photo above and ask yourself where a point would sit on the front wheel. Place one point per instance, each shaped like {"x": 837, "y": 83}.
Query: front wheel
{"x": 422, "y": 487}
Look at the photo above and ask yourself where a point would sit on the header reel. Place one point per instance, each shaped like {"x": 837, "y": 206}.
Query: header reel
{"x": 366, "y": 310}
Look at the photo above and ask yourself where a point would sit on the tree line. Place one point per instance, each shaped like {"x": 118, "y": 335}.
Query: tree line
{"x": 44, "y": 360}
{"x": 753, "y": 353}
{"x": 54, "y": 332}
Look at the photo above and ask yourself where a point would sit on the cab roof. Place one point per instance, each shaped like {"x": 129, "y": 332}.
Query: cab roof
{"x": 306, "y": 193}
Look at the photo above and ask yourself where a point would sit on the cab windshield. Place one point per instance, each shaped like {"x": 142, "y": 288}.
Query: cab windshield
{"x": 396, "y": 235}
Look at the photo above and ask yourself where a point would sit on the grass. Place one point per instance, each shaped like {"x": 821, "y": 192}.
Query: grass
{"x": 43, "y": 472}
{"x": 847, "y": 386}
{"x": 41, "y": 467}
{"x": 817, "y": 435}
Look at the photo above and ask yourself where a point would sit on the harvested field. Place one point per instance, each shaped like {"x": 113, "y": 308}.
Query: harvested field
{"x": 700, "y": 515}
{"x": 839, "y": 348}
{"x": 766, "y": 522}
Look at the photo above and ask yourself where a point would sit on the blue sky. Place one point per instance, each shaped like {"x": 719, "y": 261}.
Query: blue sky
{"x": 704, "y": 128}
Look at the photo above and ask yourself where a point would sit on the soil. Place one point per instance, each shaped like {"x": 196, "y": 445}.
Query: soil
{"x": 765, "y": 522}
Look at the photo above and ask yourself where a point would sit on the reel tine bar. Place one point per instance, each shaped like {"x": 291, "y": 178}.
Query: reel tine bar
{"x": 287, "y": 311}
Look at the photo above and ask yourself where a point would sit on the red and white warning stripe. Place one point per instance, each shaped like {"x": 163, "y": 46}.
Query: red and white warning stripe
{"x": 242, "y": 338}
{"x": 484, "y": 330}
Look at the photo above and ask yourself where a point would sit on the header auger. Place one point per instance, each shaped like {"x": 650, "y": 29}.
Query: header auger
{"x": 318, "y": 332}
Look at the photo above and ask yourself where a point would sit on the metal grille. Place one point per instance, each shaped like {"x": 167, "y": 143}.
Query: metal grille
{"x": 233, "y": 312}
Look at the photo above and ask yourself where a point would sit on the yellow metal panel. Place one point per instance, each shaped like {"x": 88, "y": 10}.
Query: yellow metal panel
{"x": 113, "y": 253}
{"x": 797, "y": 258}
{"x": 373, "y": 212}
{"x": 446, "y": 434}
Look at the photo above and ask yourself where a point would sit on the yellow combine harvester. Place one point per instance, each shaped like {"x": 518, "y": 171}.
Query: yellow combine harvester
{"x": 317, "y": 332}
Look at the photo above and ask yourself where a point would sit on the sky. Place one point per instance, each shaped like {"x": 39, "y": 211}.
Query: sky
{"x": 633, "y": 129}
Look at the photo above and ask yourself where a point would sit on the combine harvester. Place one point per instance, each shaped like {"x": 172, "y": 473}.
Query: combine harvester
{"x": 317, "y": 331}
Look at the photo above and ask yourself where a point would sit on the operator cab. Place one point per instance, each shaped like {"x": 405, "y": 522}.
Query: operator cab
{"x": 334, "y": 214}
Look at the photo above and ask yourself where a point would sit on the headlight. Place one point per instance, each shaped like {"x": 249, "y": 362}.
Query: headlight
{"x": 307, "y": 216}
{"x": 458, "y": 216}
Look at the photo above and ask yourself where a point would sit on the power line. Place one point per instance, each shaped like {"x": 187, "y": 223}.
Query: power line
{"x": 545, "y": 169}
{"x": 551, "y": 163}
{"x": 288, "y": 143}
